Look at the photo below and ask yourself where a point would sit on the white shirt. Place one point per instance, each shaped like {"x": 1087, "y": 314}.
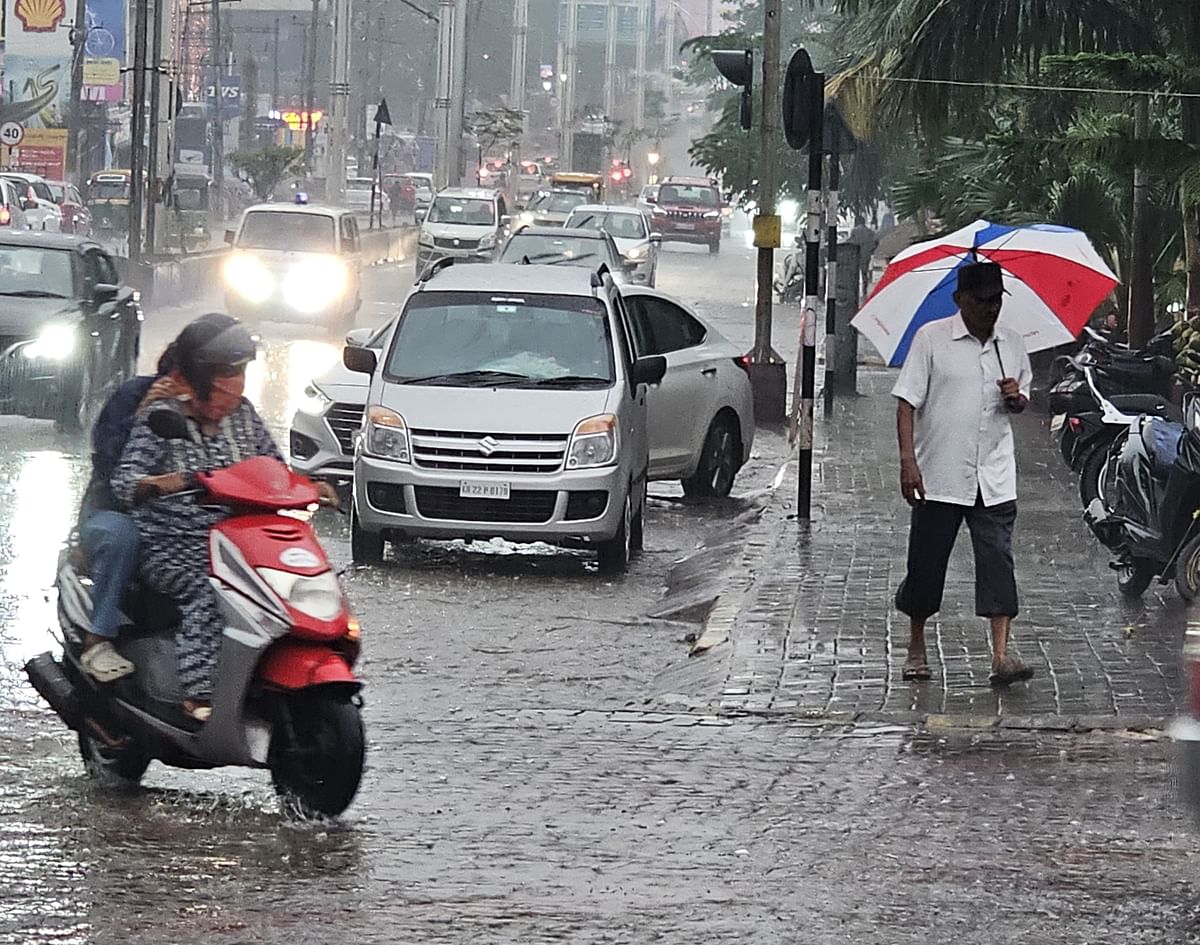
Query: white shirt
{"x": 963, "y": 438}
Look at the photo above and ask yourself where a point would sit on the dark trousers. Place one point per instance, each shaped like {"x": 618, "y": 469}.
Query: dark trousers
{"x": 931, "y": 539}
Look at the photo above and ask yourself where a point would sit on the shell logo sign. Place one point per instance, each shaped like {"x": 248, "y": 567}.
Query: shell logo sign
{"x": 40, "y": 16}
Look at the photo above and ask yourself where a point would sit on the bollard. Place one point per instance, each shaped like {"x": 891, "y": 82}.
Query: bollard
{"x": 845, "y": 348}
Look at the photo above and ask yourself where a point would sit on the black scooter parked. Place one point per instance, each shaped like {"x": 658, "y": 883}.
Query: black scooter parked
{"x": 1154, "y": 526}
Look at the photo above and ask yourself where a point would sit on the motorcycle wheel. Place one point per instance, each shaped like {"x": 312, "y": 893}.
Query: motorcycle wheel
{"x": 317, "y": 760}
{"x": 1134, "y": 576}
{"x": 1187, "y": 570}
{"x": 119, "y": 769}
{"x": 1094, "y": 476}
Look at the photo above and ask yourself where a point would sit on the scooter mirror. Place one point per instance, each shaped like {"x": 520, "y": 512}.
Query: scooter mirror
{"x": 167, "y": 423}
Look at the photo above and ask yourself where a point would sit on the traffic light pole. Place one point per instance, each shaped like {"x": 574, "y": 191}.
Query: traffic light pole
{"x": 831, "y": 254}
{"x": 768, "y": 372}
{"x": 812, "y": 262}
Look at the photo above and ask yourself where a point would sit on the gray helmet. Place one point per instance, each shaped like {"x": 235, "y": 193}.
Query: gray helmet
{"x": 208, "y": 345}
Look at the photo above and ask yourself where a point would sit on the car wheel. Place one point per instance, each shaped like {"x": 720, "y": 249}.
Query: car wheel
{"x": 616, "y": 551}
{"x": 365, "y": 547}
{"x": 75, "y": 407}
{"x": 720, "y": 459}
{"x": 714, "y": 247}
{"x": 637, "y": 530}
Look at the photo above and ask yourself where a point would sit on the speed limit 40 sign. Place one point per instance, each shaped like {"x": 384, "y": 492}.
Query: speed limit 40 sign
{"x": 12, "y": 133}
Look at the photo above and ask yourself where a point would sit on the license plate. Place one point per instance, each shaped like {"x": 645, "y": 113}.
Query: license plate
{"x": 685, "y": 227}
{"x": 483, "y": 490}
{"x": 1057, "y": 423}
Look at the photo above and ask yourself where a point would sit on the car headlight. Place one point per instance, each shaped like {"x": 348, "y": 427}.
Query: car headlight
{"x": 525, "y": 219}
{"x": 712, "y": 214}
{"x": 386, "y": 435}
{"x": 658, "y": 212}
{"x": 488, "y": 242}
{"x": 249, "y": 278}
{"x": 594, "y": 442}
{"x": 638, "y": 253}
{"x": 319, "y": 596}
{"x": 424, "y": 239}
{"x": 315, "y": 284}
{"x": 313, "y": 402}
{"x": 54, "y": 343}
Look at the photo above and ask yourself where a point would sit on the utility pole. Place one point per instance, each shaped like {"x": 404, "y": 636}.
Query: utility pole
{"x": 275, "y": 68}
{"x": 768, "y": 373}
{"x": 137, "y": 169}
{"x": 310, "y": 84}
{"x": 159, "y": 122}
{"x": 566, "y": 151}
{"x": 610, "y": 60}
{"x": 831, "y": 256}
{"x": 669, "y": 50}
{"x": 441, "y": 101}
{"x": 639, "y": 107}
{"x": 708, "y": 20}
{"x": 74, "y": 129}
{"x": 458, "y": 91}
{"x": 812, "y": 262}
{"x": 1141, "y": 282}
{"x": 218, "y": 116}
{"x": 339, "y": 103}
{"x": 516, "y": 87}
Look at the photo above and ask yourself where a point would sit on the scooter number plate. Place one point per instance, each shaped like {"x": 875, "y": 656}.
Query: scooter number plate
{"x": 1056, "y": 424}
{"x": 483, "y": 490}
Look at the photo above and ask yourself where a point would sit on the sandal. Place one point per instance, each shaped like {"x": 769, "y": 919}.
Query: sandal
{"x": 1011, "y": 670}
{"x": 198, "y": 710}
{"x": 916, "y": 669}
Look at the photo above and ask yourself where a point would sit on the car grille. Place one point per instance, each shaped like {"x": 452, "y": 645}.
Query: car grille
{"x": 344, "y": 421}
{"x": 449, "y": 242}
{"x": 526, "y": 506}
{"x": 489, "y": 453}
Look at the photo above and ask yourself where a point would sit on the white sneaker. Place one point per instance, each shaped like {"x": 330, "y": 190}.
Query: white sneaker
{"x": 103, "y": 663}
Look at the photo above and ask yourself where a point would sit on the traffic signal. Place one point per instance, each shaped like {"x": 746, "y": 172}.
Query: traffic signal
{"x": 800, "y": 85}
{"x": 737, "y": 65}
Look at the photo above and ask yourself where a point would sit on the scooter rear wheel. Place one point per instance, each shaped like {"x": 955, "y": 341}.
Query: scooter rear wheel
{"x": 114, "y": 768}
{"x": 317, "y": 755}
{"x": 1187, "y": 570}
{"x": 1134, "y": 576}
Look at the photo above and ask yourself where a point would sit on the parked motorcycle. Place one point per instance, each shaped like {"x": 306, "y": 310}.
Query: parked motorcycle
{"x": 789, "y": 282}
{"x": 1153, "y": 526}
{"x": 1088, "y": 428}
{"x": 285, "y": 694}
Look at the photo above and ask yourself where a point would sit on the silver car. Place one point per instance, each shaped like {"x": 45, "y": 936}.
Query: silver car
{"x": 630, "y": 230}
{"x": 506, "y": 401}
{"x": 463, "y": 223}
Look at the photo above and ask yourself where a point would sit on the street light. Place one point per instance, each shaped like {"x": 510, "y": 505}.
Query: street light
{"x": 653, "y": 157}
{"x": 546, "y": 85}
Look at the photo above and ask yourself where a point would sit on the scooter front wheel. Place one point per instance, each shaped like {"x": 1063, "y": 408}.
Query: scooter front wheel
{"x": 317, "y": 752}
{"x": 117, "y": 768}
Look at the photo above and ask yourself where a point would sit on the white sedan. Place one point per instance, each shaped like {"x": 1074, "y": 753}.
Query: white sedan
{"x": 701, "y": 416}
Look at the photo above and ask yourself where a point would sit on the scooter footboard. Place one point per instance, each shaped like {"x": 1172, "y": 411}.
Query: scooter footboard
{"x": 297, "y": 664}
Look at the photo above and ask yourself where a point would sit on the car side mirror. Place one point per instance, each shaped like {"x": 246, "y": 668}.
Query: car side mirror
{"x": 359, "y": 360}
{"x": 105, "y": 292}
{"x": 167, "y": 423}
{"x": 358, "y": 337}
{"x": 655, "y": 237}
{"x": 649, "y": 370}
{"x": 229, "y": 235}
{"x": 506, "y": 220}
{"x": 419, "y": 214}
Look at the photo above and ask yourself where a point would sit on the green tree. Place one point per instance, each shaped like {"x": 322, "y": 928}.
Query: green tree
{"x": 265, "y": 168}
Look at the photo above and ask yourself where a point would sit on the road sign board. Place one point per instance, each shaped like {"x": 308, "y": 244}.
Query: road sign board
{"x": 12, "y": 133}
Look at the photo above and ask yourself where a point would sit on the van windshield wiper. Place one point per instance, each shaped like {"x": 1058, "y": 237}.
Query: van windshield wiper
{"x": 571, "y": 380}
{"x": 571, "y": 259}
{"x": 469, "y": 378}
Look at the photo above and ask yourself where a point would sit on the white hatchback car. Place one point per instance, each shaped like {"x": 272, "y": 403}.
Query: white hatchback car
{"x": 701, "y": 416}
{"x": 630, "y": 230}
{"x": 42, "y": 211}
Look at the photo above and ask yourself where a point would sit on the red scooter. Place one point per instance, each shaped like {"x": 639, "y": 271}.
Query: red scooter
{"x": 285, "y": 694}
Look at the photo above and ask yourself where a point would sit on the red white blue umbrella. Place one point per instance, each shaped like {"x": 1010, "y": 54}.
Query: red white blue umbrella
{"x": 1054, "y": 277}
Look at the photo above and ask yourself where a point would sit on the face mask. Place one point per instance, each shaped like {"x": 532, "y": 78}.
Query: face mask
{"x": 225, "y": 397}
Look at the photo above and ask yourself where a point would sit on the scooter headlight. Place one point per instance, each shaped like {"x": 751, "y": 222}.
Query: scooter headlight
{"x": 319, "y": 596}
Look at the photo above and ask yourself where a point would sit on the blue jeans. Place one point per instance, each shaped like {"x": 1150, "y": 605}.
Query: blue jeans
{"x": 111, "y": 542}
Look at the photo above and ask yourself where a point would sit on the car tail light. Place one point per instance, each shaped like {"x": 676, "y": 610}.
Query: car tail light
{"x": 5, "y": 216}
{"x": 743, "y": 362}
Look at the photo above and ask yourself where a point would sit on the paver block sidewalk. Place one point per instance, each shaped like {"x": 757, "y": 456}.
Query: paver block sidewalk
{"x": 812, "y": 629}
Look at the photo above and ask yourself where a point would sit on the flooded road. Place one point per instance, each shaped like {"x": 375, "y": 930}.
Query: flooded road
{"x": 521, "y": 785}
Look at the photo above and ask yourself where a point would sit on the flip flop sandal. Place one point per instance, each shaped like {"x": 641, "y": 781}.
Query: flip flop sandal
{"x": 1012, "y": 671}
{"x": 103, "y": 663}
{"x": 916, "y": 672}
{"x": 197, "y": 710}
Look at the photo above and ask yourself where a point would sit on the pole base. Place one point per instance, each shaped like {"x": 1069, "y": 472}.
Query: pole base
{"x": 768, "y": 381}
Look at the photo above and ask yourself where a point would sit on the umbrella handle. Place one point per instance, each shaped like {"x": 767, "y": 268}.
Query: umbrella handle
{"x": 1011, "y": 402}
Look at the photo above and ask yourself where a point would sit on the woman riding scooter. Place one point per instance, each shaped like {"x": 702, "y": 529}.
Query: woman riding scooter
{"x": 206, "y": 386}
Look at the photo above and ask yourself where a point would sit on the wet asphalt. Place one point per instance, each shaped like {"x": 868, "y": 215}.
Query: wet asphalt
{"x": 522, "y": 784}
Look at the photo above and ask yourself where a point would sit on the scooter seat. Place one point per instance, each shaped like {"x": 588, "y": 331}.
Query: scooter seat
{"x": 1146, "y": 403}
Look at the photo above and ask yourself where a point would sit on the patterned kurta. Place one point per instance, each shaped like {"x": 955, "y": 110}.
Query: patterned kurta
{"x": 175, "y": 529}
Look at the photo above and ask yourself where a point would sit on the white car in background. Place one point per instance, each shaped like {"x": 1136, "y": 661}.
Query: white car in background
{"x": 701, "y": 416}
{"x": 630, "y": 230}
{"x": 358, "y": 195}
{"x": 42, "y": 211}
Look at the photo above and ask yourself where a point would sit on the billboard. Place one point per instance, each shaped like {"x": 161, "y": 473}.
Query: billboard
{"x": 37, "y": 64}
{"x": 104, "y": 51}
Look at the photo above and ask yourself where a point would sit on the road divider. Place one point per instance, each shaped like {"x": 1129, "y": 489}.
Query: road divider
{"x": 177, "y": 279}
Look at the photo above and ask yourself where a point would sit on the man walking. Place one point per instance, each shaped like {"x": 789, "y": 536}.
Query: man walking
{"x": 962, "y": 378}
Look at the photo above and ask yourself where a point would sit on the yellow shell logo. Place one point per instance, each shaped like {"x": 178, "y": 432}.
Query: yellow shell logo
{"x": 40, "y": 16}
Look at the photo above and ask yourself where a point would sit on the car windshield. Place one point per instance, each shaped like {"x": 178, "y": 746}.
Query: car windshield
{"x": 555, "y": 250}
{"x": 108, "y": 189}
{"x": 697, "y": 194}
{"x": 58, "y": 192}
{"x": 35, "y": 271}
{"x": 420, "y": 183}
{"x": 625, "y": 226}
{"x": 298, "y": 232}
{"x": 468, "y": 211}
{"x": 558, "y": 202}
{"x": 42, "y": 189}
{"x": 469, "y": 339}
